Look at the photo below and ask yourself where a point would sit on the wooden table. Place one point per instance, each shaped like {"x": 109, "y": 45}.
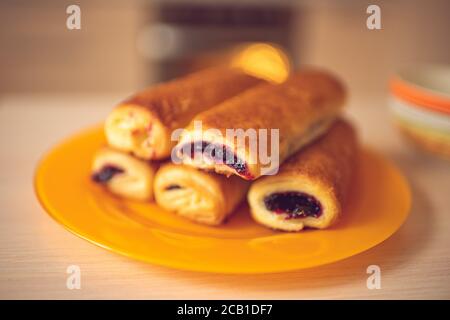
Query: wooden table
{"x": 35, "y": 251}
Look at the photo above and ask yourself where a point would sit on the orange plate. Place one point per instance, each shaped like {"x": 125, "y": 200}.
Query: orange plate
{"x": 379, "y": 204}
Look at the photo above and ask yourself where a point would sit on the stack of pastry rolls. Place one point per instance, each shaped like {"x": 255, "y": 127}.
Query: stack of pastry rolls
{"x": 138, "y": 134}
{"x": 316, "y": 148}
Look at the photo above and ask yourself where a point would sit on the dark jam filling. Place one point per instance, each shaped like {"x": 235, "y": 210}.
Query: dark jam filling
{"x": 220, "y": 154}
{"x": 106, "y": 173}
{"x": 294, "y": 204}
{"x": 173, "y": 187}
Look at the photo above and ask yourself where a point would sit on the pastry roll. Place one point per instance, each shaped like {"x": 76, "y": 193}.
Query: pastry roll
{"x": 201, "y": 196}
{"x": 311, "y": 186}
{"x": 301, "y": 108}
{"x": 123, "y": 174}
{"x": 143, "y": 124}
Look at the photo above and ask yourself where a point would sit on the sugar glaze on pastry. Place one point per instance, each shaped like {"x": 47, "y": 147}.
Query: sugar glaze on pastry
{"x": 302, "y": 108}
{"x": 204, "y": 197}
{"x": 311, "y": 187}
{"x": 123, "y": 174}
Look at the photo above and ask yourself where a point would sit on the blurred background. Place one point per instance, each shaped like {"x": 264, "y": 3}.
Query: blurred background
{"x": 125, "y": 45}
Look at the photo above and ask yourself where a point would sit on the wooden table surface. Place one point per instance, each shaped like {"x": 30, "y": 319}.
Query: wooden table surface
{"x": 35, "y": 251}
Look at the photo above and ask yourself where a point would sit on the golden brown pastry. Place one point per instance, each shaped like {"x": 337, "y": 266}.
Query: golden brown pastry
{"x": 302, "y": 108}
{"x": 123, "y": 174}
{"x": 201, "y": 196}
{"x": 143, "y": 124}
{"x": 310, "y": 189}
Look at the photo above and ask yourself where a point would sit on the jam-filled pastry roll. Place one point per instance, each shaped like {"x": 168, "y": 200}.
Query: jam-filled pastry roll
{"x": 204, "y": 197}
{"x": 311, "y": 186}
{"x": 123, "y": 174}
{"x": 301, "y": 108}
{"x": 143, "y": 124}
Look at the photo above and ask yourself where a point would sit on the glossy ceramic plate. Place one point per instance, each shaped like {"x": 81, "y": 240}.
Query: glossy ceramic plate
{"x": 378, "y": 205}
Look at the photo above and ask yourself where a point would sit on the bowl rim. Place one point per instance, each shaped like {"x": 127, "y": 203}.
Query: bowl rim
{"x": 408, "y": 89}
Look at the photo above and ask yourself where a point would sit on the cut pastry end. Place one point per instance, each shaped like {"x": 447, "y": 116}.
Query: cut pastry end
{"x": 293, "y": 207}
{"x": 190, "y": 193}
{"x": 214, "y": 156}
{"x": 134, "y": 129}
{"x": 122, "y": 174}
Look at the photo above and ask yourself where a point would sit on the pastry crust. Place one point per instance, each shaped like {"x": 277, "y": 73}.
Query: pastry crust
{"x": 123, "y": 174}
{"x": 200, "y": 196}
{"x": 143, "y": 124}
{"x": 322, "y": 171}
{"x": 302, "y": 108}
